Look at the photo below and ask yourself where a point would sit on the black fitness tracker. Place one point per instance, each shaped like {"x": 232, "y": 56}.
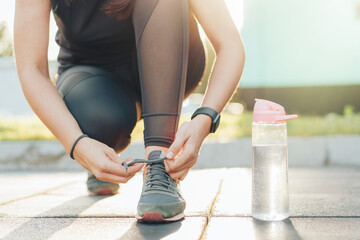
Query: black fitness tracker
{"x": 75, "y": 142}
{"x": 210, "y": 112}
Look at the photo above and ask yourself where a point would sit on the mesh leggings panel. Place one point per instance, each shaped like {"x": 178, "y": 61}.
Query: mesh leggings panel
{"x": 162, "y": 41}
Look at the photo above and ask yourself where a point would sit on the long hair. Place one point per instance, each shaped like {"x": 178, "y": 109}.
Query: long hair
{"x": 122, "y": 9}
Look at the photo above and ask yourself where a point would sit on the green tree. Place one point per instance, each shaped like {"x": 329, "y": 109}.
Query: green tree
{"x": 6, "y": 45}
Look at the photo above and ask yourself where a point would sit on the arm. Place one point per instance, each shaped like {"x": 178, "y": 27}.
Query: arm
{"x": 217, "y": 23}
{"x": 229, "y": 49}
{"x": 31, "y": 36}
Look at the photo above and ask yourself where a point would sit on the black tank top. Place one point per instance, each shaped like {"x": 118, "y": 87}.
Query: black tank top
{"x": 88, "y": 36}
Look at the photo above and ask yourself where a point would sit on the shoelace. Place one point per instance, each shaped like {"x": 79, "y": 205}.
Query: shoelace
{"x": 149, "y": 162}
{"x": 157, "y": 178}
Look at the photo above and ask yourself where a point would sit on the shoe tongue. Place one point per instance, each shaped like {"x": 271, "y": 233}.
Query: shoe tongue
{"x": 154, "y": 154}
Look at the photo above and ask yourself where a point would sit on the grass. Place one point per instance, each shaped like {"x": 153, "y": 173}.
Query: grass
{"x": 23, "y": 128}
{"x": 232, "y": 126}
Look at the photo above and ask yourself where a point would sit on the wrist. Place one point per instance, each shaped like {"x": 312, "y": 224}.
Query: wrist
{"x": 69, "y": 140}
{"x": 212, "y": 113}
{"x": 204, "y": 122}
{"x": 75, "y": 143}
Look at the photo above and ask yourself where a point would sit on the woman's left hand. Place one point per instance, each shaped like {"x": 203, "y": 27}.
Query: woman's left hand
{"x": 183, "y": 153}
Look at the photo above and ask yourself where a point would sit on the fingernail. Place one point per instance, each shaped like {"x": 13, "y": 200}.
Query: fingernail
{"x": 170, "y": 155}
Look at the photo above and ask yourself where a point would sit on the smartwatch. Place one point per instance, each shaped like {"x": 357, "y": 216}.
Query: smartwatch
{"x": 210, "y": 112}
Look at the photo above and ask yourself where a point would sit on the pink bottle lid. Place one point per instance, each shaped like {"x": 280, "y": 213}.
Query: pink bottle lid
{"x": 267, "y": 111}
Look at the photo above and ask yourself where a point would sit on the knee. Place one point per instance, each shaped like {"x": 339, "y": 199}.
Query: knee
{"x": 112, "y": 128}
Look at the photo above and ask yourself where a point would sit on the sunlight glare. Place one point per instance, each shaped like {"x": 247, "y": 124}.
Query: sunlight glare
{"x": 236, "y": 9}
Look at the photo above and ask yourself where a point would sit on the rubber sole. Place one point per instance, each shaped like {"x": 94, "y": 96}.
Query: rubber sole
{"x": 156, "y": 217}
{"x": 102, "y": 192}
{"x": 106, "y": 191}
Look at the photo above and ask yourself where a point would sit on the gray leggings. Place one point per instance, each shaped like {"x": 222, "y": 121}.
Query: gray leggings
{"x": 169, "y": 63}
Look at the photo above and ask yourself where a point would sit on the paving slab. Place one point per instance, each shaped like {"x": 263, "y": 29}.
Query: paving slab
{"x": 323, "y": 205}
{"x": 292, "y": 229}
{"x": 235, "y": 196}
{"x": 325, "y": 192}
{"x": 200, "y": 189}
{"x": 313, "y": 192}
{"x": 73, "y": 200}
{"x": 98, "y": 228}
{"x": 17, "y": 185}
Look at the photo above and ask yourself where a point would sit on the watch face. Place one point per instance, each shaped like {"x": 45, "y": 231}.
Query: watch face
{"x": 216, "y": 123}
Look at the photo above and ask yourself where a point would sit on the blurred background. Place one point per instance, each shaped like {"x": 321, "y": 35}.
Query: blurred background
{"x": 304, "y": 55}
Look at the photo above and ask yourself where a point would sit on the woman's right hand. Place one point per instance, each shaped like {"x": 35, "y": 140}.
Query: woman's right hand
{"x": 103, "y": 161}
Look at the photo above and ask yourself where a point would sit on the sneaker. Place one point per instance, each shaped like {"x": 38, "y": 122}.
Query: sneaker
{"x": 161, "y": 199}
{"x": 97, "y": 187}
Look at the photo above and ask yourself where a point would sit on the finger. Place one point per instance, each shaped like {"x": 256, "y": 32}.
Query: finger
{"x": 179, "y": 163}
{"x": 112, "y": 167}
{"x": 129, "y": 159}
{"x": 183, "y": 176}
{"x": 180, "y": 175}
{"x": 133, "y": 169}
{"x": 116, "y": 158}
{"x": 187, "y": 165}
{"x": 112, "y": 155}
{"x": 176, "y": 146}
{"x": 119, "y": 169}
{"x": 108, "y": 177}
{"x": 187, "y": 159}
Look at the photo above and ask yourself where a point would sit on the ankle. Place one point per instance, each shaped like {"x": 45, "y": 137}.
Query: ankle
{"x": 149, "y": 149}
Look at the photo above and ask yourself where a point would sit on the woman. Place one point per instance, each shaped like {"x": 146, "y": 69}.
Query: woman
{"x": 121, "y": 61}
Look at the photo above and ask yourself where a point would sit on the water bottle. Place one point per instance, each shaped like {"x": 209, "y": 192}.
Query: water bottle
{"x": 270, "y": 195}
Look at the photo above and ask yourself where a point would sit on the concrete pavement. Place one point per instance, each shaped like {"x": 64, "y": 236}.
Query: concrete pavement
{"x": 324, "y": 204}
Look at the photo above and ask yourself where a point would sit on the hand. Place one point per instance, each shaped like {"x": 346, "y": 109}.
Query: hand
{"x": 103, "y": 161}
{"x": 183, "y": 153}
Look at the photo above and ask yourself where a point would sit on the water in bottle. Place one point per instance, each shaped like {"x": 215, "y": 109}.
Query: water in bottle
{"x": 270, "y": 197}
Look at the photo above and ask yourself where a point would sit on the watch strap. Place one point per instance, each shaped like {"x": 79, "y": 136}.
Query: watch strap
{"x": 215, "y": 116}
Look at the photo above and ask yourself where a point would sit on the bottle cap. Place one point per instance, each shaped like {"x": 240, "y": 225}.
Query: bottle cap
{"x": 267, "y": 111}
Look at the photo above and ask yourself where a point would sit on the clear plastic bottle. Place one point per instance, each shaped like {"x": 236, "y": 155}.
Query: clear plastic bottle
{"x": 270, "y": 194}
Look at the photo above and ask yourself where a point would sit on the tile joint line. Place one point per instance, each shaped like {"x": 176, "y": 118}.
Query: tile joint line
{"x": 211, "y": 210}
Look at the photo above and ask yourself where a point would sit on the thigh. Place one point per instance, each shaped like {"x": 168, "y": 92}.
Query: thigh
{"x": 104, "y": 106}
{"x": 196, "y": 59}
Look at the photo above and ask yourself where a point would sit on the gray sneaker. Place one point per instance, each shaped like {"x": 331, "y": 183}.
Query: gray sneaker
{"x": 97, "y": 187}
{"x": 161, "y": 199}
